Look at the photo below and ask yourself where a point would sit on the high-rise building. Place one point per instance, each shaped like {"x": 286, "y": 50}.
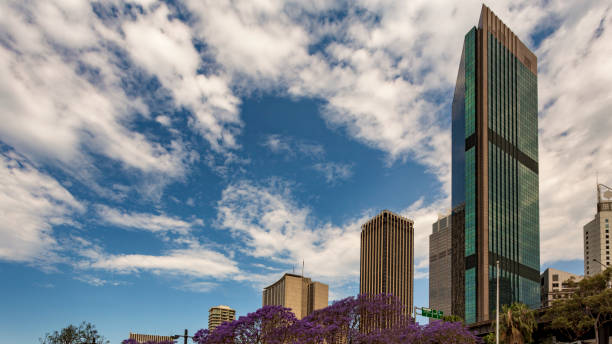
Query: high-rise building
{"x": 555, "y": 285}
{"x": 218, "y": 315}
{"x": 597, "y": 234}
{"x": 440, "y": 261}
{"x": 299, "y": 293}
{"x": 495, "y": 172}
{"x": 386, "y": 264}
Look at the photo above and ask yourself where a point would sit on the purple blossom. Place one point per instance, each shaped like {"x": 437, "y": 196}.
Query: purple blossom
{"x": 365, "y": 319}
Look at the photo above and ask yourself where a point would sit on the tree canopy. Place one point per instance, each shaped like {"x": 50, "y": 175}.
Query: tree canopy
{"x": 589, "y": 308}
{"x": 354, "y": 320}
{"x": 86, "y": 333}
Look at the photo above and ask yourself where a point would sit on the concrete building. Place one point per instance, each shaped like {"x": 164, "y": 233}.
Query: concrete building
{"x": 299, "y": 293}
{"x": 495, "y": 172}
{"x": 386, "y": 263}
{"x": 143, "y": 338}
{"x": 218, "y": 315}
{"x": 440, "y": 262}
{"x": 554, "y": 284}
{"x": 597, "y": 234}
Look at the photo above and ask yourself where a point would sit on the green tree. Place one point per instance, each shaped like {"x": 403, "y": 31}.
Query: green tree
{"x": 516, "y": 324}
{"x": 590, "y": 307}
{"x": 452, "y": 318}
{"x": 86, "y": 333}
{"x": 489, "y": 339}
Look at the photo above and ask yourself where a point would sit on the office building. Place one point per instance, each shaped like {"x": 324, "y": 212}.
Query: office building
{"x": 386, "y": 263}
{"x": 300, "y": 294}
{"x": 150, "y": 338}
{"x": 555, "y": 286}
{"x": 218, "y": 315}
{"x": 440, "y": 261}
{"x": 597, "y": 234}
{"x": 495, "y": 172}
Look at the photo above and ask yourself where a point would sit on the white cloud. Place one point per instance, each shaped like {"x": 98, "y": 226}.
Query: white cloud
{"x": 199, "y": 287}
{"x": 143, "y": 221}
{"x": 278, "y": 144}
{"x": 194, "y": 261}
{"x": 272, "y": 226}
{"x": 31, "y": 204}
{"x": 575, "y": 88}
{"x": 334, "y": 172}
{"x": 164, "y": 47}
{"x": 96, "y": 281}
{"x": 62, "y": 94}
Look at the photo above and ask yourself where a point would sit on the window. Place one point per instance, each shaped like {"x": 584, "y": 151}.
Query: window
{"x": 555, "y": 278}
{"x": 555, "y": 285}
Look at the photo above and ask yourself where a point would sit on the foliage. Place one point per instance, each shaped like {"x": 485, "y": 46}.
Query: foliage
{"x": 355, "y": 320}
{"x": 489, "y": 338}
{"x": 590, "y": 307}
{"x": 86, "y": 333}
{"x": 452, "y": 318}
{"x": 516, "y": 324}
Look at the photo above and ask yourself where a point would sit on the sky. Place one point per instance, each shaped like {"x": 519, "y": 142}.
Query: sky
{"x": 160, "y": 158}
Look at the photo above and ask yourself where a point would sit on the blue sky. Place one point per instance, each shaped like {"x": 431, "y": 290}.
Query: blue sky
{"x": 160, "y": 158}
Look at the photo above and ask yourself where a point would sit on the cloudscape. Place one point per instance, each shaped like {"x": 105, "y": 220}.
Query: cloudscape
{"x": 162, "y": 157}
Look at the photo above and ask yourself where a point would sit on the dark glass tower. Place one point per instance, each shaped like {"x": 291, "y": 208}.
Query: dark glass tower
{"x": 495, "y": 172}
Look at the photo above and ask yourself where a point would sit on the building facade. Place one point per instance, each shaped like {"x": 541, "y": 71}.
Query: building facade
{"x": 150, "y": 338}
{"x": 555, "y": 286}
{"x": 495, "y": 172}
{"x": 300, "y": 294}
{"x": 218, "y": 315}
{"x": 440, "y": 261}
{"x": 386, "y": 262}
{"x": 597, "y": 234}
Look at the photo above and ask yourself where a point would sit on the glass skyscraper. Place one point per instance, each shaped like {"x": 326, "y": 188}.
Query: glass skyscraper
{"x": 495, "y": 172}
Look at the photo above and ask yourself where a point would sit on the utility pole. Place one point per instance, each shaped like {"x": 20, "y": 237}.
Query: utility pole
{"x": 497, "y": 307}
{"x": 186, "y": 336}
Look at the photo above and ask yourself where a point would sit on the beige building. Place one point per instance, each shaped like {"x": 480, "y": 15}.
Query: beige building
{"x": 143, "y": 338}
{"x": 218, "y": 315}
{"x": 300, "y": 294}
{"x": 555, "y": 285}
{"x": 387, "y": 257}
{"x": 440, "y": 263}
{"x": 597, "y": 234}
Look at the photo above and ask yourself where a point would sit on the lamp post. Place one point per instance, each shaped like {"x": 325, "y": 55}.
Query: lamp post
{"x": 186, "y": 336}
{"x": 497, "y": 307}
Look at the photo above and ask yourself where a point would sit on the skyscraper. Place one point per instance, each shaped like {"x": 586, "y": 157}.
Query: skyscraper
{"x": 495, "y": 172}
{"x": 597, "y": 234}
{"x": 218, "y": 315}
{"x": 386, "y": 264}
{"x": 440, "y": 261}
{"x": 299, "y": 293}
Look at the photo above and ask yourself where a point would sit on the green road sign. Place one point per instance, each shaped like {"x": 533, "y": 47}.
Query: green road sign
{"x": 432, "y": 313}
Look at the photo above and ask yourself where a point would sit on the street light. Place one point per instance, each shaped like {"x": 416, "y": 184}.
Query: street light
{"x": 177, "y": 336}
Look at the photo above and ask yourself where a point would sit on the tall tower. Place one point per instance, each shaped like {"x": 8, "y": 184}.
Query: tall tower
{"x": 440, "y": 262}
{"x": 386, "y": 264}
{"x": 597, "y": 234}
{"x": 495, "y": 172}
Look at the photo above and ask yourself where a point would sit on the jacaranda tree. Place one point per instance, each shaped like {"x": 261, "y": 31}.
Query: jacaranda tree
{"x": 380, "y": 319}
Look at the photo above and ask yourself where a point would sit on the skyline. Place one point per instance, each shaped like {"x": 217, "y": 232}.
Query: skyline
{"x": 168, "y": 149}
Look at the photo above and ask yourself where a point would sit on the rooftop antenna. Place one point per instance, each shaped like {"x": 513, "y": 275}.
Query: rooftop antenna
{"x": 598, "y": 192}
